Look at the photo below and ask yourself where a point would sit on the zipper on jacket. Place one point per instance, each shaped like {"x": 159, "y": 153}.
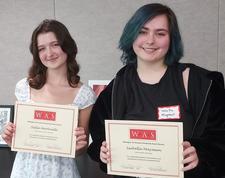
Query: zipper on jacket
{"x": 198, "y": 118}
{"x": 113, "y": 97}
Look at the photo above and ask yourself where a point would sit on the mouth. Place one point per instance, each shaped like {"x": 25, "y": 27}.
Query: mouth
{"x": 51, "y": 60}
{"x": 149, "y": 50}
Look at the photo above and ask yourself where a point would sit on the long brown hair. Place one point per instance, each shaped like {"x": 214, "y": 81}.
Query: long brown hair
{"x": 37, "y": 72}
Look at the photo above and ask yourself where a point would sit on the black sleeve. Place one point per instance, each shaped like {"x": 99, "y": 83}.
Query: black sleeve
{"x": 210, "y": 145}
{"x": 101, "y": 111}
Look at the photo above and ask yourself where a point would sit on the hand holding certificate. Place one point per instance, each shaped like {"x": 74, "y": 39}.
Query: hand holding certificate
{"x": 45, "y": 129}
{"x": 145, "y": 148}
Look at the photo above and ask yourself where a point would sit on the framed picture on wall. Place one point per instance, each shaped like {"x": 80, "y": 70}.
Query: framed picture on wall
{"x": 98, "y": 85}
{"x": 6, "y": 115}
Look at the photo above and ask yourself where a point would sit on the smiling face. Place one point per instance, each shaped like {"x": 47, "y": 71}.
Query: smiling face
{"x": 152, "y": 43}
{"x": 50, "y": 52}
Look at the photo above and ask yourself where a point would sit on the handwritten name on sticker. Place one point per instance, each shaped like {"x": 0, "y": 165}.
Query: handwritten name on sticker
{"x": 169, "y": 112}
{"x": 143, "y": 134}
{"x": 44, "y": 115}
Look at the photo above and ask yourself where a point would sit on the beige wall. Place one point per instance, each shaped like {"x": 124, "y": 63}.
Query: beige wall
{"x": 96, "y": 25}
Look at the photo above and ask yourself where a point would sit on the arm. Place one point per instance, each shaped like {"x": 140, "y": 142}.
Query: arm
{"x": 214, "y": 133}
{"x": 20, "y": 95}
{"x": 100, "y": 112}
{"x": 209, "y": 136}
{"x": 198, "y": 161}
{"x": 81, "y": 131}
{"x": 8, "y": 132}
{"x": 190, "y": 160}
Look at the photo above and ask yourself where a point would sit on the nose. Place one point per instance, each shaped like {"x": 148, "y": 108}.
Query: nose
{"x": 49, "y": 52}
{"x": 150, "y": 38}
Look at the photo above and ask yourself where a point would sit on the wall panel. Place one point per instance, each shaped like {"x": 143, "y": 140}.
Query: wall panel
{"x": 198, "y": 21}
{"x": 96, "y": 26}
{"x": 17, "y": 21}
{"x": 221, "y": 37}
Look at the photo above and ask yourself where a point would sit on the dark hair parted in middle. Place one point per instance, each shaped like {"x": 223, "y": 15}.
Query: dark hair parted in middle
{"x": 37, "y": 72}
{"x": 137, "y": 21}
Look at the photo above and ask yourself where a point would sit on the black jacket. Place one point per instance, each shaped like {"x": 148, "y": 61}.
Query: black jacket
{"x": 206, "y": 95}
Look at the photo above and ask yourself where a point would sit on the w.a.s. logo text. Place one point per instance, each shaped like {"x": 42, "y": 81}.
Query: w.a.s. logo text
{"x": 44, "y": 115}
{"x": 143, "y": 134}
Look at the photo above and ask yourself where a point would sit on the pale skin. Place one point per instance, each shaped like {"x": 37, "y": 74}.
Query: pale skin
{"x": 151, "y": 47}
{"x": 56, "y": 89}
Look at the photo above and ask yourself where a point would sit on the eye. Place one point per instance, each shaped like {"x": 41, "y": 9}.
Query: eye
{"x": 40, "y": 49}
{"x": 161, "y": 33}
{"x": 143, "y": 32}
{"x": 55, "y": 44}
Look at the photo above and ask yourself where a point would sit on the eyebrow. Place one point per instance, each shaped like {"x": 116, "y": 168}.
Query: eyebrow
{"x": 56, "y": 41}
{"x": 39, "y": 46}
{"x": 159, "y": 29}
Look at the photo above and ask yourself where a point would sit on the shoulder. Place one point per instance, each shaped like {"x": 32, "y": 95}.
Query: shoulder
{"x": 22, "y": 83}
{"x": 22, "y": 89}
{"x": 124, "y": 77}
{"x": 85, "y": 97}
{"x": 105, "y": 96}
{"x": 126, "y": 70}
{"x": 200, "y": 74}
{"x": 119, "y": 75}
{"x": 193, "y": 68}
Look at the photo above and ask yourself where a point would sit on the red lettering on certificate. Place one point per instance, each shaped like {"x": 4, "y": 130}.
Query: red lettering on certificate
{"x": 44, "y": 115}
{"x": 143, "y": 134}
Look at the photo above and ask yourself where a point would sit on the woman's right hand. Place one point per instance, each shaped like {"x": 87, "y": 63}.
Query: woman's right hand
{"x": 8, "y": 132}
{"x": 104, "y": 153}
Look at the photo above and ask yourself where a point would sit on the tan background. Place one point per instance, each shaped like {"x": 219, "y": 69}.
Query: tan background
{"x": 96, "y": 26}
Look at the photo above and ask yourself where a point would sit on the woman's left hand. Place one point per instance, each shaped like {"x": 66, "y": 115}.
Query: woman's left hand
{"x": 190, "y": 156}
{"x": 81, "y": 138}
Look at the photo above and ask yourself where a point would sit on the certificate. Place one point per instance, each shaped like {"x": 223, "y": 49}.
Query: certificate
{"x": 45, "y": 129}
{"x": 145, "y": 148}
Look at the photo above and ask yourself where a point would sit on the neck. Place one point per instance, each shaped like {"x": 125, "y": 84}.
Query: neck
{"x": 56, "y": 77}
{"x": 151, "y": 73}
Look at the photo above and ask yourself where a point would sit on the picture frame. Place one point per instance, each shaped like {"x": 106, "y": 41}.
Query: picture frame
{"x": 6, "y": 115}
{"x": 98, "y": 85}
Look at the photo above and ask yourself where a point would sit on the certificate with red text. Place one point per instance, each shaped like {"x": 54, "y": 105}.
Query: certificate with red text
{"x": 45, "y": 129}
{"x": 145, "y": 148}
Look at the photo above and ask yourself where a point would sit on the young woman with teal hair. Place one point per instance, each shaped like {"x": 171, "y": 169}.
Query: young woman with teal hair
{"x": 153, "y": 78}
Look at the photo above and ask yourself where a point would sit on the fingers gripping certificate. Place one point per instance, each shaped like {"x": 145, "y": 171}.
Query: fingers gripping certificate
{"x": 145, "y": 148}
{"x": 45, "y": 129}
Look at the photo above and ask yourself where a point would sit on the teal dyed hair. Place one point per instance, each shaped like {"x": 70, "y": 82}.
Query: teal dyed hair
{"x": 137, "y": 21}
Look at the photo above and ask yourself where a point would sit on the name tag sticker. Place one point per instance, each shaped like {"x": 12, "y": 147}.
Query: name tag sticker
{"x": 169, "y": 112}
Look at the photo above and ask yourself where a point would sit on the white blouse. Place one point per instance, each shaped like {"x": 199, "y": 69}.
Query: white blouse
{"x": 30, "y": 165}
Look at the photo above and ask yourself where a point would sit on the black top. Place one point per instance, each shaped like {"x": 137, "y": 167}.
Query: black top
{"x": 163, "y": 101}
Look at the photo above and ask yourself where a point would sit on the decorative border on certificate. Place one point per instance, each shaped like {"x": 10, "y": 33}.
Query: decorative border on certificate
{"x": 6, "y": 115}
{"x": 98, "y": 85}
{"x": 145, "y": 148}
{"x": 45, "y": 129}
